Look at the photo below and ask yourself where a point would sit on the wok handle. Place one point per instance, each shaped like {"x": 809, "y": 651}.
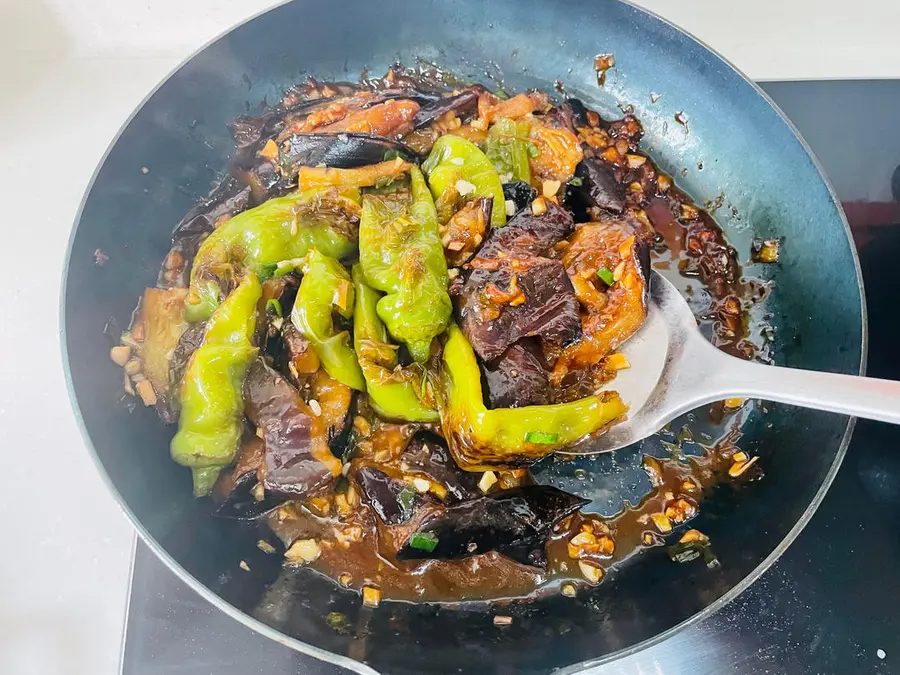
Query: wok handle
{"x": 865, "y": 397}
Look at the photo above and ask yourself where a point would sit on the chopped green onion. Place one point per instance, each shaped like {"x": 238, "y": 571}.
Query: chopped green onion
{"x": 533, "y": 150}
{"x": 501, "y": 93}
{"x": 424, "y": 541}
{"x": 606, "y": 275}
{"x": 577, "y": 181}
{"x": 391, "y": 154}
{"x": 275, "y": 306}
{"x": 267, "y": 271}
{"x": 406, "y": 497}
{"x": 541, "y": 437}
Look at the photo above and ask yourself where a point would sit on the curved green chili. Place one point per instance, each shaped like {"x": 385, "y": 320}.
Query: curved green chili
{"x": 280, "y": 229}
{"x": 326, "y": 288}
{"x": 212, "y": 406}
{"x": 480, "y": 439}
{"x": 401, "y": 254}
{"x": 392, "y": 391}
{"x": 457, "y": 166}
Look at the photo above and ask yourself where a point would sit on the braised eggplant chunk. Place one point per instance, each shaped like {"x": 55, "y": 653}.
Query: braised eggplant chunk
{"x": 298, "y": 461}
{"x": 404, "y": 293}
{"x": 517, "y": 377}
{"x": 393, "y": 500}
{"x": 516, "y": 521}
{"x": 427, "y": 455}
{"x": 339, "y": 150}
{"x": 512, "y": 291}
{"x": 239, "y": 493}
{"x": 608, "y": 264}
{"x": 599, "y": 187}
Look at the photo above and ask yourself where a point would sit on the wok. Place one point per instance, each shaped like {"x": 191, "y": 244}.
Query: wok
{"x": 747, "y": 150}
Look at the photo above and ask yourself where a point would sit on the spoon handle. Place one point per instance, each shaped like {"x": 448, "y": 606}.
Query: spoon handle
{"x": 865, "y": 397}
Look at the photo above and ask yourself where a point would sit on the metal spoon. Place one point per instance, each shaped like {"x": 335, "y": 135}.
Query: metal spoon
{"x": 662, "y": 384}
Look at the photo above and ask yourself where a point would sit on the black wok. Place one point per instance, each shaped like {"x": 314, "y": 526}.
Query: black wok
{"x": 748, "y": 152}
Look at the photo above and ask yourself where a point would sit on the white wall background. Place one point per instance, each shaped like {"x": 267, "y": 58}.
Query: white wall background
{"x": 768, "y": 39}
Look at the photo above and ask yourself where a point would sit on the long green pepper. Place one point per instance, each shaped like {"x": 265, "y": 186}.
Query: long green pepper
{"x": 212, "y": 405}
{"x": 392, "y": 391}
{"x": 401, "y": 255}
{"x": 283, "y": 228}
{"x": 326, "y": 288}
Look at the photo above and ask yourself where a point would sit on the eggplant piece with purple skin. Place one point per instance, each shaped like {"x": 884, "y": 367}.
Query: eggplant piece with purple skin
{"x": 393, "y": 500}
{"x": 599, "y": 186}
{"x": 188, "y": 343}
{"x": 515, "y": 523}
{"x": 517, "y": 378}
{"x": 343, "y": 150}
{"x": 466, "y": 100}
{"x": 513, "y": 292}
{"x": 298, "y": 461}
{"x": 233, "y": 493}
{"x": 427, "y": 455}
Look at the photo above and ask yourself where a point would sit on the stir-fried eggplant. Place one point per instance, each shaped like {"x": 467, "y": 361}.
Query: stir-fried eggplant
{"x": 499, "y": 248}
{"x": 239, "y": 493}
{"x": 512, "y": 291}
{"x": 392, "y": 499}
{"x": 298, "y": 461}
{"x": 427, "y": 455}
{"x": 458, "y": 103}
{"x": 340, "y": 150}
{"x": 517, "y": 378}
{"x": 514, "y": 522}
{"x": 599, "y": 187}
{"x": 609, "y": 266}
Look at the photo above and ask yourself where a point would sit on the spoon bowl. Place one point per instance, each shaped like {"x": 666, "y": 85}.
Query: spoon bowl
{"x": 675, "y": 369}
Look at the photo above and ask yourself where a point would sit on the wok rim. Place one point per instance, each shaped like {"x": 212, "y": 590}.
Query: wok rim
{"x": 352, "y": 664}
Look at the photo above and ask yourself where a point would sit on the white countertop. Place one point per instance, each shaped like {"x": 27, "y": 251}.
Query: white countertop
{"x": 72, "y": 73}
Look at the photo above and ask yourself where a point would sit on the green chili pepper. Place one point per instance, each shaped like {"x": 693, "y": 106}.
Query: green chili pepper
{"x": 281, "y": 228}
{"x": 401, "y": 254}
{"x": 507, "y": 148}
{"x": 326, "y": 288}
{"x": 454, "y": 159}
{"x": 481, "y": 439}
{"x": 392, "y": 390}
{"x": 212, "y": 406}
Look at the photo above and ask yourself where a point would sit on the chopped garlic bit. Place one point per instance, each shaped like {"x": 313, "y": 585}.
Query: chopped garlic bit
{"x": 345, "y": 579}
{"x": 549, "y": 188}
{"x": 488, "y": 478}
{"x": 590, "y": 572}
{"x": 464, "y": 187}
{"x": 691, "y": 536}
{"x": 265, "y": 546}
{"x": 539, "y": 206}
{"x": 145, "y": 391}
{"x": 303, "y": 551}
{"x": 500, "y": 620}
{"x": 568, "y": 590}
{"x": 510, "y": 207}
{"x": 662, "y": 522}
{"x": 315, "y": 407}
{"x": 371, "y": 596}
{"x": 244, "y": 566}
{"x": 421, "y": 485}
{"x": 120, "y": 355}
{"x": 618, "y": 362}
{"x": 740, "y": 467}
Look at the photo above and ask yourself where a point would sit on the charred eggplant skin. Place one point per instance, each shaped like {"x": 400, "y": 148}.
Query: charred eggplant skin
{"x": 338, "y": 150}
{"x": 514, "y": 522}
